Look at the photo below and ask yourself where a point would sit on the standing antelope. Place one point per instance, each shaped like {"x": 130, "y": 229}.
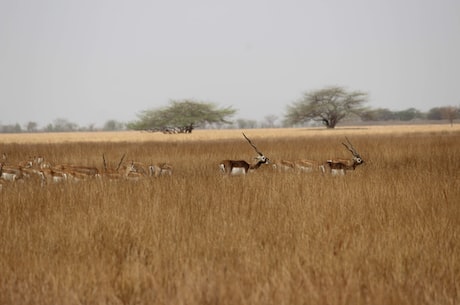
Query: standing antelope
{"x": 340, "y": 166}
{"x": 236, "y": 167}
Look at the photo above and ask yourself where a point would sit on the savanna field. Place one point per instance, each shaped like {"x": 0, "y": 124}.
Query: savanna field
{"x": 386, "y": 233}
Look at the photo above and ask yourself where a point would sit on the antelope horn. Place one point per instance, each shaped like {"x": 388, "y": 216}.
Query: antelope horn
{"x": 103, "y": 162}
{"x": 350, "y": 147}
{"x": 121, "y": 160}
{"x": 255, "y": 148}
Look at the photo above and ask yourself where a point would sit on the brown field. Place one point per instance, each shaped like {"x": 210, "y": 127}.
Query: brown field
{"x": 387, "y": 233}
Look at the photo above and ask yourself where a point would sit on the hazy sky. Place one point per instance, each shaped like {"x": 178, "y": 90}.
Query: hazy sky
{"x": 89, "y": 61}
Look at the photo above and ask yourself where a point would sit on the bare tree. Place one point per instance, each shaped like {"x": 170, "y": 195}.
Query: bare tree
{"x": 450, "y": 113}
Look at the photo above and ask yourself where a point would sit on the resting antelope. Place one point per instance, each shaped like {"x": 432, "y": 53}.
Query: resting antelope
{"x": 77, "y": 172}
{"x": 116, "y": 173}
{"x": 283, "y": 165}
{"x": 160, "y": 169}
{"x": 236, "y": 167}
{"x": 51, "y": 175}
{"x": 11, "y": 173}
{"x": 310, "y": 166}
{"x": 340, "y": 166}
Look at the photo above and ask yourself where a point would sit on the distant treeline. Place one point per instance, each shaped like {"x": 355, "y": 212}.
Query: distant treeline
{"x": 446, "y": 113}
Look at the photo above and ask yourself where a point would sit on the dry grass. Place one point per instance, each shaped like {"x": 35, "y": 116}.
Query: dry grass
{"x": 388, "y": 233}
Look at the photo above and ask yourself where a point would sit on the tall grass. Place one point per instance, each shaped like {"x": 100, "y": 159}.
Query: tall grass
{"x": 387, "y": 233}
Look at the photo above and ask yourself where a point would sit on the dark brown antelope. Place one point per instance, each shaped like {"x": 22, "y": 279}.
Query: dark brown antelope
{"x": 238, "y": 167}
{"x": 340, "y": 166}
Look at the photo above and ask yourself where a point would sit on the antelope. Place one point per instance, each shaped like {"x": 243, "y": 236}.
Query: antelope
{"x": 236, "y": 167}
{"x": 137, "y": 167}
{"x": 308, "y": 166}
{"x": 51, "y": 175}
{"x": 283, "y": 165}
{"x": 160, "y": 169}
{"x": 10, "y": 173}
{"x": 116, "y": 173}
{"x": 78, "y": 172}
{"x": 340, "y": 166}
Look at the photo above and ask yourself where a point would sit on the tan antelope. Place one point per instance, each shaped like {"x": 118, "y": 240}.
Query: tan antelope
{"x": 237, "y": 167}
{"x": 118, "y": 172}
{"x": 152, "y": 170}
{"x": 29, "y": 168}
{"x": 9, "y": 172}
{"x": 12, "y": 173}
{"x": 283, "y": 165}
{"x": 160, "y": 169}
{"x": 78, "y": 172}
{"x": 309, "y": 166}
{"x": 340, "y": 166}
{"x": 48, "y": 175}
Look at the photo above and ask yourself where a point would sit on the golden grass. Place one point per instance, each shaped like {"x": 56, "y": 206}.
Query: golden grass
{"x": 136, "y": 136}
{"x": 387, "y": 233}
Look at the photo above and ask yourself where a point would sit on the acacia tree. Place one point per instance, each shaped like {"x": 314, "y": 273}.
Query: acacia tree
{"x": 329, "y": 105}
{"x": 186, "y": 114}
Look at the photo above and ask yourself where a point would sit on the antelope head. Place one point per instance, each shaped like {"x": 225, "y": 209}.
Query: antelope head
{"x": 356, "y": 157}
{"x": 261, "y": 158}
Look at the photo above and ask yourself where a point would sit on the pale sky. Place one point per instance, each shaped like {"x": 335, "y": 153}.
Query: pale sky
{"x": 89, "y": 61}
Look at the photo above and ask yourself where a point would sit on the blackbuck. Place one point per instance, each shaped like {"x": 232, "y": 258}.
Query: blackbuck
{"x": 118, "y": 172}
{"x": 341, "y": 166}
{"x": 241, "y": 167}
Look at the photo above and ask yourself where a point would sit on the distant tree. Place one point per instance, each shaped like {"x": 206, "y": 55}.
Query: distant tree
{"x": 49, "y": 128}
{"x": 62, "y": 125}
{"x": 434, "y": 114}
{"x": 186, "y": 114}
{"x": 14, "y": 128}
{"x": 113, "y": 125}
{"x": 450, "y": 113}
{"x": 91, "y": 127}
{"x": 31, "y": 126}
{"x": 329, "y": 106}
{"x": 379, "y": 114}
{"x": 409, "y": 114}
{"x": 246, "y": 124}
{"x": 269, "y": 121}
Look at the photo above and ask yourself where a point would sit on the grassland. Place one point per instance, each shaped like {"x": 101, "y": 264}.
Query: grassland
{"x": 387, "y": 233}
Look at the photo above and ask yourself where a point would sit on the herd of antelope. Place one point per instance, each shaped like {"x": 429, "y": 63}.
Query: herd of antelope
{"x": 42, "y": 170}
{"x": 333, "y": 166}
{"x": 37, "y": 168}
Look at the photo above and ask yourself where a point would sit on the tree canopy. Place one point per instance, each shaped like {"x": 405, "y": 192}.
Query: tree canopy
{"x": 182, "y": 113}
{"x": 329, "y": 105}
